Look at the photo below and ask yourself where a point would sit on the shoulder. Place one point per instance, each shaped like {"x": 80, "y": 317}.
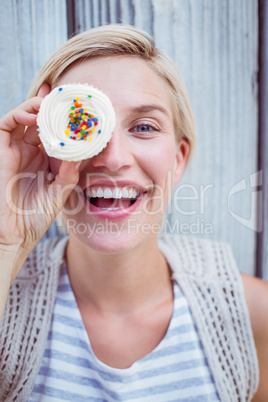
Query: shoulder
{"x": 205, "y": 258}
{"x": 209, "y": 277}
{"x": 256, "y": 295}
{"x": 191, "y": 244}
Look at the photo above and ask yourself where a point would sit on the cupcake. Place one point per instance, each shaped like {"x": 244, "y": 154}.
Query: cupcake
{"x": 75, "y": 122}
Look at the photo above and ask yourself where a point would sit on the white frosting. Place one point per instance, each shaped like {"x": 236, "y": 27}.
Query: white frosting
{"x": 53, "y": 119}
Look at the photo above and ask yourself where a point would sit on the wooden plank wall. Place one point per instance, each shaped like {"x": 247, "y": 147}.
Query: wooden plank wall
{"x": 30, "y": 32}
{"x": 215, "y": 46}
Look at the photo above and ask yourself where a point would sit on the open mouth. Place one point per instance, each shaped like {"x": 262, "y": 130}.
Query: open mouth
{"x": 112, "y": 199}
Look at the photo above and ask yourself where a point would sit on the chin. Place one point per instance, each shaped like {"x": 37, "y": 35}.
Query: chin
{"x": 107, "y": 243}
{"x": 109, "y": 237}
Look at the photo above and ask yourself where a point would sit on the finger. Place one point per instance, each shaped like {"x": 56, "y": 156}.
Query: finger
{"x": 63, "y": 185}
{"x": 12, "y": 125}
{"x": 31, "y": 136}
{"x": 25, "y": 115}
{"x": 33, "y": 158}
{"x": 69, "y": 172}
{"x": 31, "y": 105}
{"x": 44, "y": 90}
{"x": 19, "y": 120}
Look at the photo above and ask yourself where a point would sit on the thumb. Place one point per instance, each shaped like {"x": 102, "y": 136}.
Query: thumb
{"x": 62, "y": 186}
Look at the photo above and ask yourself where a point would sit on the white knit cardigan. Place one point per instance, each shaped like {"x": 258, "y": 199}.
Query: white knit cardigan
{"x": 208, "y": 276}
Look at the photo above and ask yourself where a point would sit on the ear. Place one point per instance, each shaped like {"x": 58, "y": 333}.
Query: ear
{"x": 182, "y": 153}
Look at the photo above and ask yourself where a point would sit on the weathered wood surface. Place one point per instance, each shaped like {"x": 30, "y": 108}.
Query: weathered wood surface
{"x": 30, "y": 31}
{"x": 214, "y": 45}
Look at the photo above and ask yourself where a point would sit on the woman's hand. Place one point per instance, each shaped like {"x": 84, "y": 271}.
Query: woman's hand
{"x": 30, "y": 197}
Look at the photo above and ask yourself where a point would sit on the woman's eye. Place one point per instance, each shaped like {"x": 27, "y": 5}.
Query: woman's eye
{"x": 144, "y": 128}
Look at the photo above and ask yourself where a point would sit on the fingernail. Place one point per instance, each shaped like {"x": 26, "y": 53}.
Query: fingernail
{"x": 77, "y": 165}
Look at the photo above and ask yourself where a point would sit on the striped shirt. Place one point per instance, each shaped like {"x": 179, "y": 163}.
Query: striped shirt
{"x": 176, "y": 370}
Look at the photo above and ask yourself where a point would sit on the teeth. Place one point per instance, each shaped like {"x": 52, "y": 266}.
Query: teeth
{"x": 111, "y": 209}
{"x": 94, "y": 192}
{"x": 107, "y": 193}
{"x": 99, "y": 192}
{"x": 125, "y": 193}
{"x": 135, "y": 193}
{"x": 117, "y": 192}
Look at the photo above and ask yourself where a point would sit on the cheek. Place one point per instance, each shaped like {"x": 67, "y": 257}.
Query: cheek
{"x": 160, "y": 164}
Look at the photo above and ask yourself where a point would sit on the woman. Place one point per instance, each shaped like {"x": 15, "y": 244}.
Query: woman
{"x": 115, "y": 312}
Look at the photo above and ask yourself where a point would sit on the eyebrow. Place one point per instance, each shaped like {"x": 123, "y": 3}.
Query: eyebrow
{"x": 150, "y": 108}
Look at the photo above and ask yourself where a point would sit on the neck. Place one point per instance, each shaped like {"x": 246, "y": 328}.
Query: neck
{"x": 118, "y": 283}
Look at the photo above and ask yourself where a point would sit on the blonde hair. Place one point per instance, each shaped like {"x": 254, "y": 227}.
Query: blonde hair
{"x": 116, "y": 40}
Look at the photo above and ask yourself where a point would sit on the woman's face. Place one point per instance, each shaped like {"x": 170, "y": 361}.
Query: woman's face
{"x": 140, "y": 164}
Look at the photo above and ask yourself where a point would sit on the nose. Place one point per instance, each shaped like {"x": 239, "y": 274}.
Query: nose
{"x": 116, "y": 155}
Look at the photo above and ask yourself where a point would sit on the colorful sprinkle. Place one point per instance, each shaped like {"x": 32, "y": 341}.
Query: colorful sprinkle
{"x": 62, "y": 144}
{"x": 60, "y": 89}
{"x": 81, "y": 123}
